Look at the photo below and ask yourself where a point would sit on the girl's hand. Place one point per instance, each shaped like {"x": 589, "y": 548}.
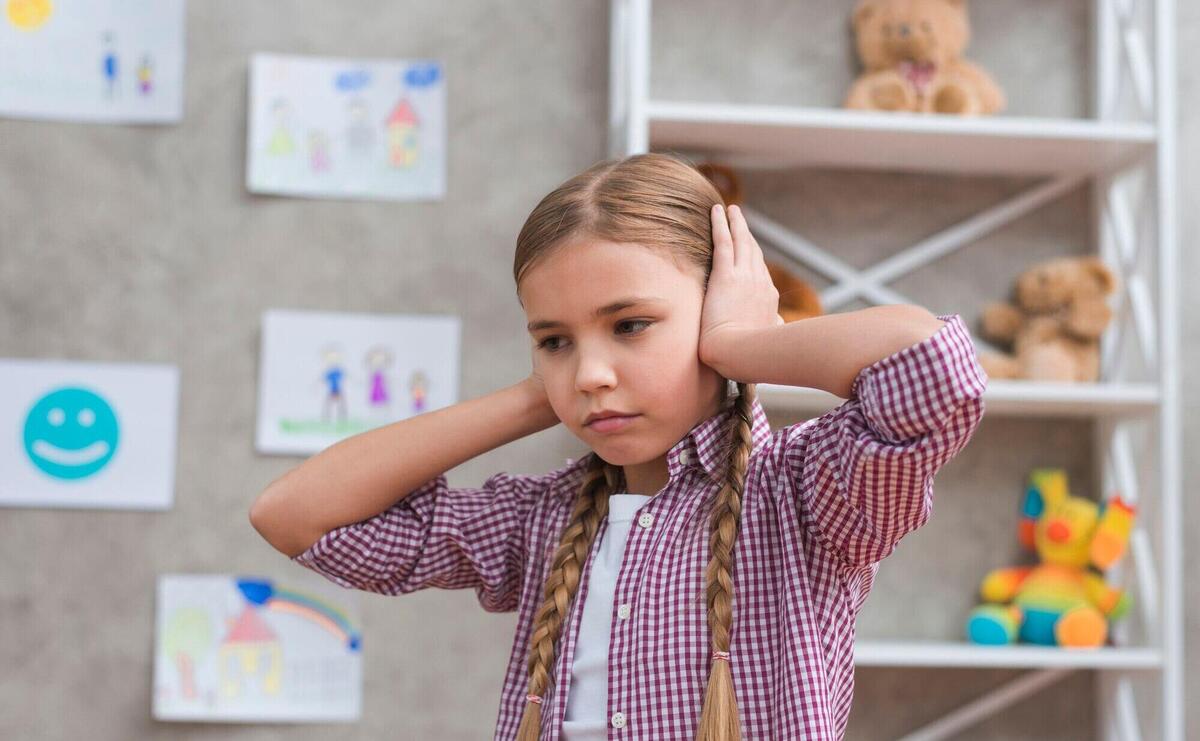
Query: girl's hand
{"x": 538, "y": 400}
{"x": 741, "y": 296}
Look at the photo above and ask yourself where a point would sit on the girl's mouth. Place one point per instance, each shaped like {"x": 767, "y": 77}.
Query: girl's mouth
{"x": 611, "y": 424}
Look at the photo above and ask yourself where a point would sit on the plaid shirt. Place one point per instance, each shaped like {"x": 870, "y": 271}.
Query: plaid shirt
{"x": 824, "y": 501}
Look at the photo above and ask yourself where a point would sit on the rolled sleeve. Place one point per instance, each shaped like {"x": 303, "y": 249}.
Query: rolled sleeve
{"x": 864, "y": 471}
{"x": 437, "y": 536}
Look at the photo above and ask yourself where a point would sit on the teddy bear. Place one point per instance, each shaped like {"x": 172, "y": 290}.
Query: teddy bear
{"x": 1054, "y": 326}
{"x": 797, "y": 298}
{"x": 1064, "y": 600}
{"x": 911, "y": 54}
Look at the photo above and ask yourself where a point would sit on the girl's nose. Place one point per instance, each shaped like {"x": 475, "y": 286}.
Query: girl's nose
{"x": 594, "y": 372}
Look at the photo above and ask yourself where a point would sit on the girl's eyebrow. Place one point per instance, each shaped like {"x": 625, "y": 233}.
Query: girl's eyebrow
{"x": 613, "y": 308}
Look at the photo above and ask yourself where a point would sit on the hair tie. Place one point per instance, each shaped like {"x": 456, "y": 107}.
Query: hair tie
{"x": 720, "y": 656}
{"x": 534, "y": 698}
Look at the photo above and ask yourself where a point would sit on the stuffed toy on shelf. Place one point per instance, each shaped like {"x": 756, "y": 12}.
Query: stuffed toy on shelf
{"x": 1054, "y": 324}
{"x": 911, "y": 53}
{"x": 797, "y": 298}
{"x": 1064, "y": 600}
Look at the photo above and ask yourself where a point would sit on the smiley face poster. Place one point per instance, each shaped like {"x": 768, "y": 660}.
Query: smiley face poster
{"x": 87, "y": 435}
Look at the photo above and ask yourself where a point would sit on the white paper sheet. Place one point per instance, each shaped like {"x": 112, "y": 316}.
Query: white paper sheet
{"x": 242, "y": 648}
{"x": 346, "y": 128}
{"x": 326, "y": 376}
{"x": 87, "y": 435}
{"x": 118, "y": 61}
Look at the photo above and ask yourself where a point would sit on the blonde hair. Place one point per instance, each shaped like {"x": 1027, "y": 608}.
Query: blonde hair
{"x": 663, "y": 203}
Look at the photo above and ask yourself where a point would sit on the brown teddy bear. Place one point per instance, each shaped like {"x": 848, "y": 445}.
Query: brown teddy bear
{"x": 797, "y": 299}
{"x": 1055, "y": 325}
{"x": 911, "y": 51}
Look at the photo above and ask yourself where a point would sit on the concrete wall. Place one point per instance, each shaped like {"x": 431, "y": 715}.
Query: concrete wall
{"x": 141, "y": 244}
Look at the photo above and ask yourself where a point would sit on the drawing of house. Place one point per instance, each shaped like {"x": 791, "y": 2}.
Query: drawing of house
{"x": 250, "y": 653}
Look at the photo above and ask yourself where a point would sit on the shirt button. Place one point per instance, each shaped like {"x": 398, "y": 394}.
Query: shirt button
{"x": 685, "y": 457}
{"x": 646, "y": 520}
{"x": 618, "y": 720}
{"x": 623, "y": 612}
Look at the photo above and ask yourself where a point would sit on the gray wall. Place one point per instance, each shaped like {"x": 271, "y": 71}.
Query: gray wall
{"x": 140, "y": 243}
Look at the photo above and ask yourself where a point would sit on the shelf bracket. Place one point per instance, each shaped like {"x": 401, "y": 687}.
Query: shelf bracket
{"x": 989, "y": 704}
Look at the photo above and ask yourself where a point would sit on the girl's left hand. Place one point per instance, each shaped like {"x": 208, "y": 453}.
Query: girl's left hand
{"x": 740, "y": 296}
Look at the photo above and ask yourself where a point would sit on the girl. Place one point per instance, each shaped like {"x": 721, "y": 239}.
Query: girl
{"x": 696, "y": 575}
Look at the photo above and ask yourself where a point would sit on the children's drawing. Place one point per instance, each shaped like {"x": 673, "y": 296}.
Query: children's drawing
{"x": 241, "y": 648}
{"x": 87, "y": 435}
{"x": 326, "y": 376}
{"x": 120, "y": 61}
{"x": 418, "y": 387}
{"x": 318, "y": 151}
{"x": 360, "y": 134}
{"x": 280, "y": 144}
{"x": 145, "y": 75}
{"x": 374, "y": 128}
{"x": 110, "y": 65}
{"x": 378, "y": 361}
{"x": 333, "y": 374}
{"x": 29, "y": 15}
{"x": 402, "y": 135}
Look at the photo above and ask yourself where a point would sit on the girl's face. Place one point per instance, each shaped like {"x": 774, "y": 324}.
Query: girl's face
{"x": 616, "y": 327}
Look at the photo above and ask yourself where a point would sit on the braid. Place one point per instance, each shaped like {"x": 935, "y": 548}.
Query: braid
{"x": 719, "y": 718}
{"x": 591, "y": 508}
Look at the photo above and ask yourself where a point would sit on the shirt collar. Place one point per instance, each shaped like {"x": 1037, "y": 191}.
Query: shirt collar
{"x": 706, "y": 442}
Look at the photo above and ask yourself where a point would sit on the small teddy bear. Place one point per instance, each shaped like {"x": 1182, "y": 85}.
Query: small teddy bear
{"x": 1064, "y": 600}
{"x": 911, "y": 51}
{"x": 1055, "y": 325}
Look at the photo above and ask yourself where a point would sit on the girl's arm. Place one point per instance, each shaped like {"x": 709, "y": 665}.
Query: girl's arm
{"x": 364, "y": 475}
{"x": 824, "y": 352}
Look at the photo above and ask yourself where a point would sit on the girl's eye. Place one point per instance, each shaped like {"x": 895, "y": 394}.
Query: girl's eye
{"x": 551, "y": 343}
{"x": 634, "y": 321}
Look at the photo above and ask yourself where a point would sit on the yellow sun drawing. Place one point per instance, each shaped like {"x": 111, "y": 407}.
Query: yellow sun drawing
{"x": 28, "y": 15}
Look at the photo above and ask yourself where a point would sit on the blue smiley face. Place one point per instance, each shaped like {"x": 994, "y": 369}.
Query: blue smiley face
{"x": 71, "y": 433}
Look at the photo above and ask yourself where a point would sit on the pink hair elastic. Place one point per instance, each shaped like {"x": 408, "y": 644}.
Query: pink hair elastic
{"x": 534, "y": 698}
{"x": 720, "y": 656}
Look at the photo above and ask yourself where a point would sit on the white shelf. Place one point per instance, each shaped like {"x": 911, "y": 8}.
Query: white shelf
{"x": 763, "y": 135}
{"x": 1006, "y": 398}
{"x": 949, "y": 654}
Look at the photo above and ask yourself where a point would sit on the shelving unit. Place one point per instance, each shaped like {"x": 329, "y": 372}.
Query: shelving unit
{"x": 1125, "y": 154}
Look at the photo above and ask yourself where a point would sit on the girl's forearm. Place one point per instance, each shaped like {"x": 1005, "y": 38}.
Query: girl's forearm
{"x": 825, "y": 352}
{"x": 362, "y": 476}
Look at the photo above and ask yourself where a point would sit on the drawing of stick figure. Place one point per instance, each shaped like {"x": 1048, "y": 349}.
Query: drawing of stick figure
{"x": 418, "y": 385}
{"x": 378, "y": 360}
{"x": 281, "y": 143}
{"x": 360, "y": 136}
{"x": 145, "y": 75}
{"x": 318, "y": 151}
{"x": 110, "y": 64}
{"x": 334, "y": 376}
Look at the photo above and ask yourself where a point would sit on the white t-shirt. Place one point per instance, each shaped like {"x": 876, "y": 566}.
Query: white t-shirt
{"x": 587, "y": 698}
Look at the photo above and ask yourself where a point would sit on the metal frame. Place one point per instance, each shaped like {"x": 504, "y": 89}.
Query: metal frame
{"x": 1134, "y": 212}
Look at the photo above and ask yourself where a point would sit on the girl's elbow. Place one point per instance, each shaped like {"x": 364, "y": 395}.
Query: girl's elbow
{"x": 267, "y": 516}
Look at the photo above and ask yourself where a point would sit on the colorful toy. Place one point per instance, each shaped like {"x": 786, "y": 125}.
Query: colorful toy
{"x": 1060, "y": 602}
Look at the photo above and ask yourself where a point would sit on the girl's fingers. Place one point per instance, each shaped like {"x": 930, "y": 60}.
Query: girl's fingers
{"x": 724, "y": 250}
{"x": 745, "y": 246}
{"x": 741, "y": 247}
